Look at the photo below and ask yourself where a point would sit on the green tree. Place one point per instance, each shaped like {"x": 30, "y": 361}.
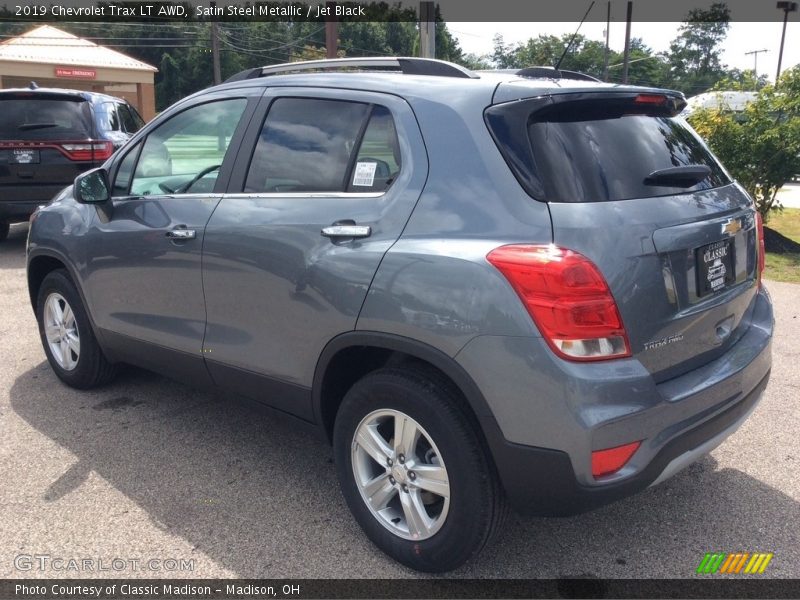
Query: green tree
{"x": 475, "y": 62}
{"x": 694, "y": 55}
{"x": 740, "y": 81}
{"x": 645, "y": 67}
{"x": 761, "y": 146}
{"x": 584, "y": 55}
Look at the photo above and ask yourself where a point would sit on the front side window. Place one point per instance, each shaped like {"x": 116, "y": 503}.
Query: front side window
{"x": 313, "y": 145}
{"x": 184, "y": 154}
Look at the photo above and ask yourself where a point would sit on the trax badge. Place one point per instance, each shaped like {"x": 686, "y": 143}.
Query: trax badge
{"x": 663, "y": 342}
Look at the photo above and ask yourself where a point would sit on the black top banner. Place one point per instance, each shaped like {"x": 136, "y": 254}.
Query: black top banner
{"x": 404, "y": 10}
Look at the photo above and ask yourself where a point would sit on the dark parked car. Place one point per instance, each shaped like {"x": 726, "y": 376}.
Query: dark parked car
{"x": 522, "y": 288}
{"x": 48, "y": 137}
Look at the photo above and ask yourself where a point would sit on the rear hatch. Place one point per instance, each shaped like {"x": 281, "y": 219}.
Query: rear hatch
{"x": 46, "y": 140}
{"x": 634, "y": 189}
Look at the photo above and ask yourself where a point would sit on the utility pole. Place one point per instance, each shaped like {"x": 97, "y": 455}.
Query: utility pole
{"x": 215, "y": 47}
{"x": 755, "y": 54}
{"x": 331, "y": 30}
{"x": 427, "y": 29}
{"x": 608, "y": 49}
{"x": 786, "y": 7}
{"x": 627, "y": 55}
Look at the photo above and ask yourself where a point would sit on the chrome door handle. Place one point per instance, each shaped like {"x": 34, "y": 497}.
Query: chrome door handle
{"x": 347, "y": 231}
{"x": 181, "y": 234}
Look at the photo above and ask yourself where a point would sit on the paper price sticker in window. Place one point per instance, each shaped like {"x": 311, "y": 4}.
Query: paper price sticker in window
{"x": 364, "y": 174}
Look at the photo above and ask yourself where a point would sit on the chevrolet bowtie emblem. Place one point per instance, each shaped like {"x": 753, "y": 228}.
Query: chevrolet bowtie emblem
{"x": 732, "y": 227}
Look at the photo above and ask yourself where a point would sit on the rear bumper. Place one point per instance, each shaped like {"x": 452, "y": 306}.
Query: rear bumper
{"x": 15, "y": 212}
{"x": 542, "y": 482}
{"x": 19, "y": 198}
{"x": 547, "y": 416}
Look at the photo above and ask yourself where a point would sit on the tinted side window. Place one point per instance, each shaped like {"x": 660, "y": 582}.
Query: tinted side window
{"x": 378, "y": 161}
{"x": 184, "y": 154}
{"x": 107, "y": 118}
{"x": 306, "y": 145}
{"x": 131, "y": 121}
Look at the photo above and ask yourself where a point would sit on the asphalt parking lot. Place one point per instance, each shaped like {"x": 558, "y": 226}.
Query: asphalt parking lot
{"x": 149, "y": 469}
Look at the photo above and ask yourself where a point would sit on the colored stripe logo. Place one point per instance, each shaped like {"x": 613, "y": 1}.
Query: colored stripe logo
{"x": 739, "y": 562}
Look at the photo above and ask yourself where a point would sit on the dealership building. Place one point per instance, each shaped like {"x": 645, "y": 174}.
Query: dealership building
{"x": 54, "y": 58}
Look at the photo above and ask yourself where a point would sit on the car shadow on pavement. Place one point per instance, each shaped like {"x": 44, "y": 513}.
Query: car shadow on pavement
{"x": 259, "y": 496}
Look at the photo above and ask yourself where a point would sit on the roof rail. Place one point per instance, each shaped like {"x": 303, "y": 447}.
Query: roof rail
{"x": 552, "y": 73}
{"x": 406, "y": 65}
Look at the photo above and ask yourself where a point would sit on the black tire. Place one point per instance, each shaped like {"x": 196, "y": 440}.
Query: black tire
{"x": 4, "y": 227}
{"x": 477, "y": 505}
{"x": 92, "y": 368}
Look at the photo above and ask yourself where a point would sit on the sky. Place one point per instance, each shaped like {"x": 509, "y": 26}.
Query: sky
{"x": 742, "y": 37}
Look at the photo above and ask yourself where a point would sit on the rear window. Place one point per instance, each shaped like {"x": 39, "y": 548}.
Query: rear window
{"x": 585, "y": 152}
{"x": 30, "y": 118}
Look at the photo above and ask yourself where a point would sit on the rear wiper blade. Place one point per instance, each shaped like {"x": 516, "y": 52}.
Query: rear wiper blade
{"x": 685, "y": 176}
{"x": 29, "y": 126}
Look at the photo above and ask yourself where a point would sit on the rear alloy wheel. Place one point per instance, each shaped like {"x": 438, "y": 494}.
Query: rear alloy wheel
{"x": 413, "y": 470}
{"x": 400, "y": 474}
{"x": 67, "y": 337}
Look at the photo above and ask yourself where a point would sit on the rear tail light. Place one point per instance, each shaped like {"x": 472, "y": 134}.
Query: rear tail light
{"x": 567, "y": 298}
{"x": 762, "y": 252}
{"x": 83, "y": 151}
{"x": 611, "y": 460}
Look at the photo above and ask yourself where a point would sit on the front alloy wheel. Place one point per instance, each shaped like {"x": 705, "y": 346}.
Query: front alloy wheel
{"x": 67, "y": 337}
{"x": 61, "y": 331}
{"x": 400, "y": 474}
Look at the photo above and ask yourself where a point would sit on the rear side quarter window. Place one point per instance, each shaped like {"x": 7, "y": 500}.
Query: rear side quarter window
{"x": 131, "y": 121}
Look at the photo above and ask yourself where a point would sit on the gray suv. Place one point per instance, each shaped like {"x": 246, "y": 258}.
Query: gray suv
{"x": 526, "y": 289}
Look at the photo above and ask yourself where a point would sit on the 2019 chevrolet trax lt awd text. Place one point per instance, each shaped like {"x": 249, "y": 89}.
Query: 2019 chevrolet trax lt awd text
{"x": 525, "y": 289}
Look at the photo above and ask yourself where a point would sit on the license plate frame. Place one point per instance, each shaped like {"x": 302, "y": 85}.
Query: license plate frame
{"x": 714, "y": 264}
{"x": 24, "y": 156}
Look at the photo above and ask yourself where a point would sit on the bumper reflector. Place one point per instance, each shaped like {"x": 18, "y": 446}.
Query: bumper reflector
{"x": 611, "y": 460}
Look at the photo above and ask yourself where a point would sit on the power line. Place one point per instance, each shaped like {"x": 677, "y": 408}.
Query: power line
{"x": 264, "y": 39}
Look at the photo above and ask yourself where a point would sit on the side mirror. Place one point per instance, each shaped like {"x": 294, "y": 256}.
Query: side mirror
{"x": 92, "y": 187}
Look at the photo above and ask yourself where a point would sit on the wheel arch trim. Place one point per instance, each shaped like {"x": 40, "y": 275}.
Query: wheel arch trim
{"x": 408, "y": 346}
{"x": 73, "y": 275}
